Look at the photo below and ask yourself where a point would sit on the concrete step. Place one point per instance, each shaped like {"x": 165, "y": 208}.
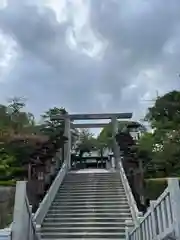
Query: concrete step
{"x": 84, "y": 195}
{"x": 90, "y": 186}
{"x": 83, "y": 224}
{"x": 89, "y": 214}
{"x": 89, "y": 199}
{"x": 93, "y": 172}
{"x": 83, "y": 235}
{"x": 92, "y": 178}
{"x": 81, "y": 195}
{"x": 88, "y": 206}
{"x": 93, "y": 175}
{"x": 99, "y": 182}
{"x": 89, "y": 229}
{"x": 84, "y": 219}
{"x": 83, "y": 198}
{"x": 95, "y": 197}
{"x": 87, "y": 211}
{"x": 91, "y": 191}
{"x": 82, "y": 238}
{"x": 93, "y": 194}
{"x": 66, "y": 203}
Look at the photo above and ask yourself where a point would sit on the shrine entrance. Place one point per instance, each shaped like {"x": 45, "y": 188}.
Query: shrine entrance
{"x": 70, "y": 125}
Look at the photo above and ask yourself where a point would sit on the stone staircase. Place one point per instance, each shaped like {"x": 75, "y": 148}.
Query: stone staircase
{"x": 88, "y": 205}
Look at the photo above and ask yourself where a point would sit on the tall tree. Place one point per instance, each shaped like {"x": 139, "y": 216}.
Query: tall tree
{"x": 165, "y": 114}
{"x": 53, "y": 126}
{"x": 163, "y": 145}
{"x": 87, "y": 142}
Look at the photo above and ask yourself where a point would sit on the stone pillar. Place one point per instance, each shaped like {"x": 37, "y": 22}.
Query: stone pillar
{"x": 20, "y": 216}
{"x": 115, "y": 145}
{"x": 67, "y": 146}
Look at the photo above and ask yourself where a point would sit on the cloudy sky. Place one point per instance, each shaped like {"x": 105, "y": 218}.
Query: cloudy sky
{"x": 89, "y": 55}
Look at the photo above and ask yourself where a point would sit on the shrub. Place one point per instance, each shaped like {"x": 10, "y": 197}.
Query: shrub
{"x": 155, "y": 187}
{"x": 8, "y": 183}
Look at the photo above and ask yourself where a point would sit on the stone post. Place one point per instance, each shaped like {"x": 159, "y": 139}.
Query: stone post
{"x": 173, "y": 185}
{"x": 20, "y": 220}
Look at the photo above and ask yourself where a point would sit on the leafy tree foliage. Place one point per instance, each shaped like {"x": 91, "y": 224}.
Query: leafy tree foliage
{"x": 86, "y": 143}
{"x": 53, "y": 126}
{"x": 163, "y": 145}
{"x": 22, "y": 139}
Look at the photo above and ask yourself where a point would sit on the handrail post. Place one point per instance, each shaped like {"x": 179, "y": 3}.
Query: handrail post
{"x": 38, "y": 231}
{"x": 174, "y": 189}
{"x": 128, "y": 228}
{"x": 154, "y": 233}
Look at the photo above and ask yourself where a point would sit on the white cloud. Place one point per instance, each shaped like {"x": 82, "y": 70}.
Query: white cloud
{"x": 3, "y": 3}
{"x": 59, "y": 7}
{"x": 7, "y": 56}
{"x": 80, "y": 34}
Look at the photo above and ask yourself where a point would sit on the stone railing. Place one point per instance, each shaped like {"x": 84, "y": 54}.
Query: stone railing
{"x": 26, "y": 225}
{"x": 162, "y": 220}
{"x": 50, "y": 195}
{"x": 5, "y": 234}
{"x": 23, "y": 226}
{"x": 131, "y": 201}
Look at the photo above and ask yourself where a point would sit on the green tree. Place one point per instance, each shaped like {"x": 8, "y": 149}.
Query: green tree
{"x": 165, "y": 114}
{"x": 50, "y": 125}
{"x": 18, "y": 119}
{"x": 86, "y": 142}
{"x": 163, "y": 145}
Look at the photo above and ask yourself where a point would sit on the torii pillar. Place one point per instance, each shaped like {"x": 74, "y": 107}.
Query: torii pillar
{"x": 116, "y": 150}
{"x": 67, "y": 145}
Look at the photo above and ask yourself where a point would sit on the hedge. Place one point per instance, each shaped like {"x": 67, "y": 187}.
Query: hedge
{"x": 155, "y": 187}
{"x": 8, "y": 183}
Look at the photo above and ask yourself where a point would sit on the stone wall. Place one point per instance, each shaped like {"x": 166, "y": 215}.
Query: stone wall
{"x": 7, "y": 195}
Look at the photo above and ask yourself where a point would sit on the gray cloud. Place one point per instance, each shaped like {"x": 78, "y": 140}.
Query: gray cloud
{"x": 138, "y": 32}
{"x": 143, "y": 50}
{"x": 46, "y": 63}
